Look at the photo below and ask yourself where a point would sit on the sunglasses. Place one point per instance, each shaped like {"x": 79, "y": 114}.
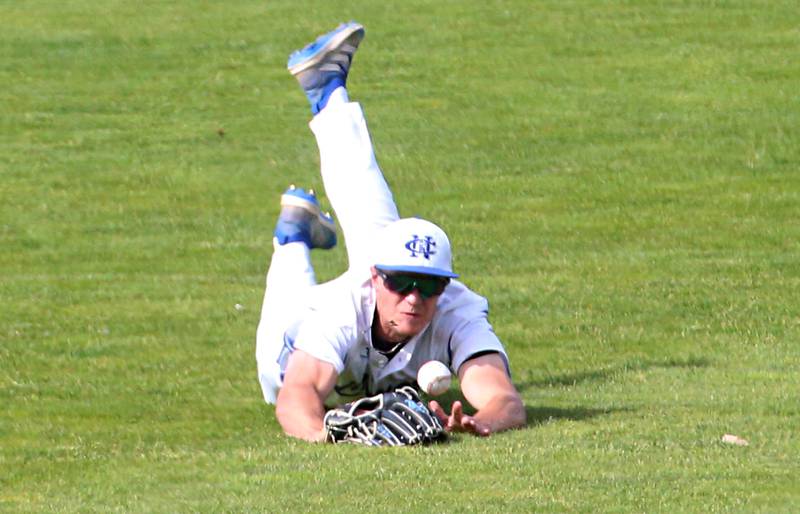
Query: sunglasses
{"x": 404, "y": 284}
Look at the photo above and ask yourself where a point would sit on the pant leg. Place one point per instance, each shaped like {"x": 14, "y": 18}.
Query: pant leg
{"x": 289, "y": 278}
{"x": 353, "y": 181}
{"x": 363, "y": 204}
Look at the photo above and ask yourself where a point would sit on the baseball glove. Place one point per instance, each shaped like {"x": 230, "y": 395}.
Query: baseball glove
{"x": 397, "y": 418}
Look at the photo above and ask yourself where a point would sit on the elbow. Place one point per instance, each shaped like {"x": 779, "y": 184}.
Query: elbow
{"x": 282, "y": 413}
{"x": 300, "y": 415}
{"x": 518, "y": 417}
{"x": 287, "y": 410}
{"x": 522, "y": 414}
{"x": 507, "y": 413}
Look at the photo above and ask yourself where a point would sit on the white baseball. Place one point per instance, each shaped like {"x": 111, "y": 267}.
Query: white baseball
{"x": 434, "y": 378}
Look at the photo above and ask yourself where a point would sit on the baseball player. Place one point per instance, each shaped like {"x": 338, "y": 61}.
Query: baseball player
{"x": 396, "y": 307}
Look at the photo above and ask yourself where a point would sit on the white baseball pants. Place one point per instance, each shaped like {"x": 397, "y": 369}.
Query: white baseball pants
{"x": 362, "y": 203}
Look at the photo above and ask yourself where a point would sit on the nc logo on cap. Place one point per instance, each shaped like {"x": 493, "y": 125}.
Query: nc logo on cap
{"x": 413, "y": 245}
{"x": 424, "y": 247}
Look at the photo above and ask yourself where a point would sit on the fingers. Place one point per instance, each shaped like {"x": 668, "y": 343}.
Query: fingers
{"x": 454, "y": 422}
{"x": 458, "y": 411}
{"x": 474, "y": 426}
{"x": 439, "y": 412}
{"x": 457, "y": 421}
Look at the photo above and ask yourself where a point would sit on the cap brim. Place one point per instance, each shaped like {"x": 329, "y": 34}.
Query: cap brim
{"x": 422, "y": 270}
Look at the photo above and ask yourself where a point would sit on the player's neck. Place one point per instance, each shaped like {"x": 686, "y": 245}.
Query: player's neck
{"x": 382, "y": 341}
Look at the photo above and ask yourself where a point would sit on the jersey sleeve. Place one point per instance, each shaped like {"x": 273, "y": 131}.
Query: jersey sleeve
{"x": 469, "y": 333}
{"x": 474, "y": 338}
{"x": 326, "y": 341}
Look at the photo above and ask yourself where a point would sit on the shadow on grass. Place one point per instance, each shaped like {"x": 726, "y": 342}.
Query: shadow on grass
{"x": 540, "y": 415}
{"x": 571, "y": 379}
{"x": 536, "y": 414}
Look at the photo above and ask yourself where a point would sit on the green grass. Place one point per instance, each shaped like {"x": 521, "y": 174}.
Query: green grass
{"x": 619, "y": 178}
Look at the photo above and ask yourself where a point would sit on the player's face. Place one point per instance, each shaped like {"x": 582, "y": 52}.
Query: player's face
{"x": 406, "y": 303}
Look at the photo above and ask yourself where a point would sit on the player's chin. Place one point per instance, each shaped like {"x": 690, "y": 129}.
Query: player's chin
{"x": 412, "y": 325}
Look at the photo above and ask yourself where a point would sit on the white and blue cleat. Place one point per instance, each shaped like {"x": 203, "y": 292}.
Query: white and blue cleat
{"x": 301, "y": 220}
{"x": 323, "y": 65}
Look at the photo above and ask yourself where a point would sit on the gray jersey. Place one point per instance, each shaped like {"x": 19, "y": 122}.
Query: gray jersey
{"x": 337, "y": 329}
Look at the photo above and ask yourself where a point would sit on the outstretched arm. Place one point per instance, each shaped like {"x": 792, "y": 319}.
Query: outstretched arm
{"x": 300, "y": 407}
{"x": 487, "y": 386}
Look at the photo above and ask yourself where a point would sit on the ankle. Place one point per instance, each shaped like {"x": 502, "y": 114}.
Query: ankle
{"x": 338, "y": 96}
{"x": 333, "y": 90}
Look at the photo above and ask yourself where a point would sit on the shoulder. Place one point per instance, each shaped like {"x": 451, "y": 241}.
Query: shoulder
{"x": 340, "y": 305}
{"x": 461, "y": 314}
{"x": 333, "y": 322}
{"x": 343, "y": 293}
{"x": 462, "y": 320}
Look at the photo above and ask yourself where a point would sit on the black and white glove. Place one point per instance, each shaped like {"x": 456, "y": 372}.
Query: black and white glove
{"x": 396, "y": 418}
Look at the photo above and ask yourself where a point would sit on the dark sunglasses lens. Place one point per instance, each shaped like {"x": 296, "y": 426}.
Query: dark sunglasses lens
{"x": 399, "y": 283}
{"x": 428, "y": 287}
{"x": 404, "y": 284}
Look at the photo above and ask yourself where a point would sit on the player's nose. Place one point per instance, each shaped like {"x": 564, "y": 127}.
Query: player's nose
{"x": 414, "y": 297}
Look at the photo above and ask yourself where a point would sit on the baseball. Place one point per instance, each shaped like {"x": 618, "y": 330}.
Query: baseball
{"x": 434, "y": 378}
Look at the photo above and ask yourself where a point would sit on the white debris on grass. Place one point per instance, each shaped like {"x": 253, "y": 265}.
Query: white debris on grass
{"x": 734, "y": 439}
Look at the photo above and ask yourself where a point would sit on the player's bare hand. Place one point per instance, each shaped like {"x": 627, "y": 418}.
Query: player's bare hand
{"x": 457, "y": 421}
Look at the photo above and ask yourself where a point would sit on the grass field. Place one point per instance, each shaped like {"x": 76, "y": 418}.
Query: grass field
{"x": 619, "y": 178}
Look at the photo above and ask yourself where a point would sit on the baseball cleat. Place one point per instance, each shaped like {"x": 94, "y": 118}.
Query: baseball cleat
{"x": 301, "y": 220}
{"x": 323, "y": 65}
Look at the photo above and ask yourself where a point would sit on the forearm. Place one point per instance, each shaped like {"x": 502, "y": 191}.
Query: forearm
{"x": 300, "y": 413}
{"x": 502, "y": 413}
